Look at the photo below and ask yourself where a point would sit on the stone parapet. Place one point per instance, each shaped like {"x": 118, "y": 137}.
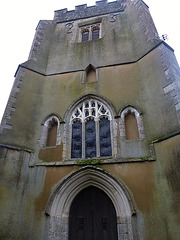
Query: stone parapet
{"x": 82, "y": 11}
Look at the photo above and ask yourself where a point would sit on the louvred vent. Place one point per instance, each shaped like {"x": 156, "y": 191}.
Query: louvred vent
{"x": 95, "y": 34}
{"x": 85, "y": 36}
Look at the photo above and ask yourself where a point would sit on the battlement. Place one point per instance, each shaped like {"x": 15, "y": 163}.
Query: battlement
{"x": 82, "y": 11}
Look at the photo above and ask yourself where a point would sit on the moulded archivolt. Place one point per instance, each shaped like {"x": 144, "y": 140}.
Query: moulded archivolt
{"x": 89, "y": 107}
{"x": 60, "y": 201}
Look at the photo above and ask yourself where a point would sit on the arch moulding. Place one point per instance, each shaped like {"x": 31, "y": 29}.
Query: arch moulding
{"x": 60, "y": 201}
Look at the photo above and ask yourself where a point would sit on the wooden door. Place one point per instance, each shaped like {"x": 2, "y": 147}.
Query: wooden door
{"x": 92, "y": 216}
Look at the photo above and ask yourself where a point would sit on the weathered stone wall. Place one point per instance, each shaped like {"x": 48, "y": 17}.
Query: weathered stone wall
{"x": 122, "y": 35}
{"x": 19, "y": 187}
{"x": 134, "y": 69}
{"x": 133, "y": 84}
{"x": 153, "y": 185}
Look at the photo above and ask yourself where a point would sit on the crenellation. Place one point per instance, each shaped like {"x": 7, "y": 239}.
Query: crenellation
{"x": 82, "y": 11}
{"x": 80, "y": 7}
{"x": 101, "y": 3}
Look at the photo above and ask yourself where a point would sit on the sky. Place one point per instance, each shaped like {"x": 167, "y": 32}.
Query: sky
{"x": 19, "y": 18}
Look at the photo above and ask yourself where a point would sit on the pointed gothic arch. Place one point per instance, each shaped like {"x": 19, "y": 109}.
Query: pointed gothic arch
{"x": 90, "y": 74}
{"x": 50, "y": 122}
{"x": 60, "y": 201}
{"x": 137, "y": 117}
{"x": 98, "y": 109}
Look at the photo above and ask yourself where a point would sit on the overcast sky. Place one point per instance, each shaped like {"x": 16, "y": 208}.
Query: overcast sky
{"x": 19, "y": 18}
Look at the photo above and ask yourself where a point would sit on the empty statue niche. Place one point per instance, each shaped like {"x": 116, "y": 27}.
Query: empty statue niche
{"x": 52, "y": 133}
{"x": 131, "y": 126}
{"x": 90, "y": 74}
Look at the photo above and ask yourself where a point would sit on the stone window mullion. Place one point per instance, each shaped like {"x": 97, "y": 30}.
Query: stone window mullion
{"x": 83, "y": 130}
{"x": 90, "y": 34}
{"x": 97, "y": 138}
{"x": 83, "y": 139}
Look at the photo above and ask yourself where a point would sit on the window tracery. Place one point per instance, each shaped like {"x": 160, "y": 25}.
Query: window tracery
{"x": 90, "y": 109}
{"x": 91, "y": 130}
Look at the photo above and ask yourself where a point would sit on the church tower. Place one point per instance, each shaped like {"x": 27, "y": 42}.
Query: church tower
{"x": 89, "y": 140}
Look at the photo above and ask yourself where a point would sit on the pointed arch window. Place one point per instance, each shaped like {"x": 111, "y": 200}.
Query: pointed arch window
{"x": 91, "y": 130}
{"x": 131, "y": 126}
{"x": 51, "y": 132}
{"x": 90, "y": 74}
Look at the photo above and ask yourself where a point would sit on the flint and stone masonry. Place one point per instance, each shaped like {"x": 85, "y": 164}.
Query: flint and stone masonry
{"x": 95, "y": 106}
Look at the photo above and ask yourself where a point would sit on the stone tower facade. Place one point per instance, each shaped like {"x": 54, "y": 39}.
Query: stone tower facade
{"x": 96, "y": 106}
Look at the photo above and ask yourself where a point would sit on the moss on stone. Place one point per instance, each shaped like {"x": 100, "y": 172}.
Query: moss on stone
{"x": 89, "y": 162}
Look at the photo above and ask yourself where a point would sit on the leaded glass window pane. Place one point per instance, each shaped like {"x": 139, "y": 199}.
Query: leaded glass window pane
{"x": 90, "y": 139}
{"x": 105, "y": 138}
{"x": 76, "y": 142}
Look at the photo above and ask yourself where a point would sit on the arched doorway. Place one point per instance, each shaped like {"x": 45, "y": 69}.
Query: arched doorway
{"x": 92, "y": 216}
{"x": 59, "y": 205}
